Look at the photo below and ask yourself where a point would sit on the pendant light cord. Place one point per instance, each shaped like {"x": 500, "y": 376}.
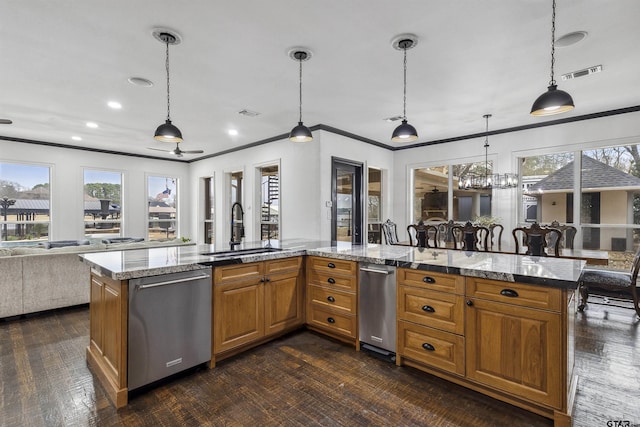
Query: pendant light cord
{"x": 167, "y": 67}
{"x": 553, "y": 42}
{"x": 300, "y": 91}
{"x": 404, "y": 93}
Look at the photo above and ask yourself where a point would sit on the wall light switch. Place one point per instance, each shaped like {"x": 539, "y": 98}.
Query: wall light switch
{"x": 328, "y": 203}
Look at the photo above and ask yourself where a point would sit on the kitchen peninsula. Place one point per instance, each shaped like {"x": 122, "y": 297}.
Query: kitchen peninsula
{"x": 499, "y": 324}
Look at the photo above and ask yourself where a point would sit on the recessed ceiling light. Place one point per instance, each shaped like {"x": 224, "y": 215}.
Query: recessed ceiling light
{"x": 76, "y": 138}
{"x": 232, "y": 132}
{"x": 140, "y": 81}
{"x": 114, "y": 104}
{"x": 92, "y": 125}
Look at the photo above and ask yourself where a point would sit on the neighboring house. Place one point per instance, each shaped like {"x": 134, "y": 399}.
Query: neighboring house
{"x": 608, "y": 196}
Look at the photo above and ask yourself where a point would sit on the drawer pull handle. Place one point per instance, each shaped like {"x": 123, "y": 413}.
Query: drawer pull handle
{"x": 331, "y": 320}
{"x": 428, "y": 279}
{"x": 428, "y": 309}
{"x": 331, "y": 299}
{"x": 331, "y": 265}
{"x": 509, "y": 293}
{"x": 331, "y": 280}
{"x": 470, "y": 303}
{"x": 428, "y": 347}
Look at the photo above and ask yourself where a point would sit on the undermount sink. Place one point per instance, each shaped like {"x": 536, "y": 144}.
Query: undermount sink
{"x": 239, "y": 252}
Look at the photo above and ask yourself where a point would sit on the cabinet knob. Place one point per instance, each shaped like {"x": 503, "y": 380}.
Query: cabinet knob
{"x": 428, "y": 309}
{"x": 331, "y": 320}
{"x": 428, "y": 347}
{"x": 428, "y": 279}
{"x": 266, "y": 279}
{"x": 509, "y": 293}
{"x": 331, "y": 299}
{"x": 331, "y": 280}
{"x": 331, "y": 265}
{"x": 469, "y": 303}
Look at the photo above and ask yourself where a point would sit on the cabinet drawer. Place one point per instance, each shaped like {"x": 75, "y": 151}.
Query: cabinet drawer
{"x": 431, "y": 280}
{"x": 327, "y": 279}
{"x": 435, "y": 348}
{"x": 430, "y": 308}
{"x": 233, "y": 272}
{"x": 282, "y": 265}
{"x": 333, "y": 298}
{"x": 515, "y": 293}
{"x": 335, "y": 266}
{"x": 343, "y": 324}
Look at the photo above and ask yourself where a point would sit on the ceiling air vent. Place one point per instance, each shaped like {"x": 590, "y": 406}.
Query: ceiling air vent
{"x": 248, "y": 113}
{"x": 393, "y": 119}
{"x": 582, "y": 73}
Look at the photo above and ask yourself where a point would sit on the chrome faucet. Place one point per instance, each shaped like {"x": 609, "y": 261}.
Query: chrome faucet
{"x": 233, "y": 243}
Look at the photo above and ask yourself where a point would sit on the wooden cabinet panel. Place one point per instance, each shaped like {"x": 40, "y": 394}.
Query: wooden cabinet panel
{"x": 429, "y": 308}
{"x": 338, "y": 300}
{"x": 517, "y": 350}
{"x": 96, "y": 321}
{"x": 283, "y": 302}
{"x": 281, "y": 265}
{"x": 112, "y": 333}
{"x": 250, "y": 271}
{"x": 333, "y": 266}
{"x": 322, "y": 278}
{"x": 515, "y": 293}
{"x": 238, "y": 314}
{"x": 339, "y": 323}
{"x": 432, "y": 347}
{"x": 431, "y": 280}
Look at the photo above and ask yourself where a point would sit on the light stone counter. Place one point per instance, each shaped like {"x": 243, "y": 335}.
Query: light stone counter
{"x": 546, "y": 271}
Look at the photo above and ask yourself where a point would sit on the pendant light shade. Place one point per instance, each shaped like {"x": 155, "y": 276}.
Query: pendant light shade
{"x": 404, "y": 132}
{"x": 167, "y": 132}
{"x": 553, "y": 101}
{"x": 300, "y": 133}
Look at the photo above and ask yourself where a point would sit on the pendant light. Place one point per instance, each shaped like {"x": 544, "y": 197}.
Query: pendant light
{"x": 405, "y": 132}
{"x": 554, "y": 101}
{"x": 300, "y": 133}
{"x": 167, "y": 132}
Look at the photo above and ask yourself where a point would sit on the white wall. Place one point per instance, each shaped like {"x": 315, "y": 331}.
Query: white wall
{"x": 67, "y": 182}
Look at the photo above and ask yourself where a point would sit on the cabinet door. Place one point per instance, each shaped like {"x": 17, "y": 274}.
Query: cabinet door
{"x": 283, "y": 302}
{"x": 96, "y": 314}
{"x": 238, "y": 314}
{"x": 112, "y": 329}
{"x": 517, "y": 350}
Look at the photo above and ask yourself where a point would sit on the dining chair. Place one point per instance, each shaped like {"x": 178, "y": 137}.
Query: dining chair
{"x": 390, "y": 232}
{"x": 470, "y": 237}
{"x": 420, "y": 234}
{"x": 610, "y": 283}
{"x": 495, "y": 236}
{"x": 537, "y": 239}
{"x": 568, "y": 234}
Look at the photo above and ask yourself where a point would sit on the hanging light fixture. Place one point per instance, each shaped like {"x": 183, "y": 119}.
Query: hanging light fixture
{"x": 300, "y": 133}
{"x": 487, "y": 180}
{"x": 554, "y": 101}
{"x": 167, "y": 132}
{"x": 405, "y": 132}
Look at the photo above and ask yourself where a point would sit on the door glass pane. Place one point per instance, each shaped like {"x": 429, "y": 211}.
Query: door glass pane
{"x": 374, "y": 206}
{"x": 269, "y": 203}
{"x": 102, "y": 203}
{"x": 163, "y": 213}
{"x": 209, "y": 210}
{"x": 344, "y": 198}
{"x": 237, "y": 211}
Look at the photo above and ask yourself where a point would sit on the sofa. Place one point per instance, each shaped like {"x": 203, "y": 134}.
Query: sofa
{"x": 51, "y": 275}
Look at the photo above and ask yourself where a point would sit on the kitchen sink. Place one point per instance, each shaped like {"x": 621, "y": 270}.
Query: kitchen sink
{"x": 240, "y": 252}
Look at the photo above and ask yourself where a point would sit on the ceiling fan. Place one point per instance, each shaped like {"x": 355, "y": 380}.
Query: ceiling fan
{"x": 5, "y": 122}
{"x": 177, "y": 151}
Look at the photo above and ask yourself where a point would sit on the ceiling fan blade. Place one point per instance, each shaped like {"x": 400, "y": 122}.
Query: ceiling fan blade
{"x": 5, "y": 122}
{"x": 192, "y": 151}
{"x": 160, "y": 149}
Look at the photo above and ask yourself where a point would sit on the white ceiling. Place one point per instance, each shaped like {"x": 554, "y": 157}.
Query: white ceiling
{"x": 62, "y": 60}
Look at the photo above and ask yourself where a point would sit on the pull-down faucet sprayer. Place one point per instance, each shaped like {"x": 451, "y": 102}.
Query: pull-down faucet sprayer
{"x": 233, "y": 242}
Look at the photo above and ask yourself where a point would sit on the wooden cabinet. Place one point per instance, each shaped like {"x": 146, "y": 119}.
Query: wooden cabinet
{"x": 107, "y": 351}
{"x": 332, "y": 297}
{"x": 509, "y": 340}
{"x": 254, "y": 301}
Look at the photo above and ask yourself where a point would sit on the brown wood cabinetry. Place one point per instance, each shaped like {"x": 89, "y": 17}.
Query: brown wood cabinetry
{"x": 255, "y": 301}
{"x": 331, "y": 297}
{"x": 107, "y": 351}
{"x": 508, "y": 340}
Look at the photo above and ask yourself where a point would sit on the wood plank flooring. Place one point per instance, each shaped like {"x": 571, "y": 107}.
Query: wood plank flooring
{"x": 302, "y": 379}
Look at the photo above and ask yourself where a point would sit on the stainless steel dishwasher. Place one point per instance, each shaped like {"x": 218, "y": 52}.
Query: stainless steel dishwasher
{"x": 377, "y": 310}
{"x": 169, "y": 325}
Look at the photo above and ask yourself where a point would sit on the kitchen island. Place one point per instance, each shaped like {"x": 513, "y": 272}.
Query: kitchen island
{"x": 507, "y": 331}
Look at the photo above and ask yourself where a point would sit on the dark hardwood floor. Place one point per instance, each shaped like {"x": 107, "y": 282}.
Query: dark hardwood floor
{"x": 302, "y": 379}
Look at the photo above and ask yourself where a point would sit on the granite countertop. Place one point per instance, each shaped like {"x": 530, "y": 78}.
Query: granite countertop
{"x": 546, "y": 271}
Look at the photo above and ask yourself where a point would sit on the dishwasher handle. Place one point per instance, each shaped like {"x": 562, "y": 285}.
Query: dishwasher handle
{"x": 171, "y": 282}
{"x": 373, "y": 270}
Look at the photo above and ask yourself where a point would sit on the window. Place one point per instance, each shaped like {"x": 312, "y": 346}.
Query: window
{"x": 24, "y": 202}
{"x": 162, "y": 200}
{"x": 374, "y": 206}
{"x": 102, "y": 203}
{"x": 236, "y": 217}
{"x": 430, "y": 189}
{"x": 269, "y": 202}
{"x": 209, "y": 210}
